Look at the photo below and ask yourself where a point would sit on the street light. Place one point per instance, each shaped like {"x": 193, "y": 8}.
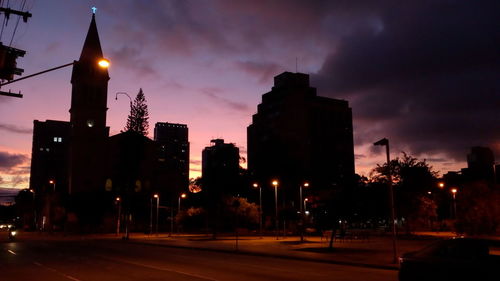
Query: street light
{"x": 256, "y": 185}
{"x": 182, "y": 196}
{"x": 306, "y": 184}
{"x": 157, "y": 210}
{"x": 385, "y": 142}
{"x": 305, "y": 205}
{"x": 102, "y": 63}
{"x": 441, "y": 185}
{"x": 454, "y": 194}
{"x": 119, "y": 203}
{"x": 275, "y": 184}
{"x": 34, "y": 207}
{"x": 53, "y": 182}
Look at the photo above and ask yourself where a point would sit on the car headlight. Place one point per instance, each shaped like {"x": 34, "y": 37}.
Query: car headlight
{"x": 13, "y": 233}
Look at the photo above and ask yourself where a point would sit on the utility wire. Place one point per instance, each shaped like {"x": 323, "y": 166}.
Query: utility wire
{"x": 17, "y": 23}
{"x": 4, "y": 19}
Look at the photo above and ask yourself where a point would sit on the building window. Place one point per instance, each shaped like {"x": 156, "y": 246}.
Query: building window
{"x": 57, "y": 139}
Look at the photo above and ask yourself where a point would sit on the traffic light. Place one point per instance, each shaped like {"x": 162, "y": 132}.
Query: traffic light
{"x": 8, "y": 64}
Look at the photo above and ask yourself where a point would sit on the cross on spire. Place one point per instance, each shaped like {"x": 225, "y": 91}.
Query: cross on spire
{"x": 93, "y": 10}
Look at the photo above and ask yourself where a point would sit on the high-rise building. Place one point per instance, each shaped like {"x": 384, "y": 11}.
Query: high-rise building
{"x": 49, "y": 156}
{"x": 297, "y": 136}
{"x": 220, "y": 167}
{"x": 480, "y": 164}
{"x": 173, "y": 156}
{"x": 88, "y": 117}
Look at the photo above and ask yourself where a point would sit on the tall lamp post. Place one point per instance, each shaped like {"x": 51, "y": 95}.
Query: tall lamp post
{"x": 306, "y": 185}
{"x": 182, "y": 196}
{"x": 102, "y": 63}
{"x": 34, "y": 208}
{"x": 275, "y": 184}
{"x": 256, "y": 185}
{"x": 118, "y": 202}
{"x": 53, "y": 183}
{"x": 454, "y": 194}
{"x": 385, "y": 142}
{"x": 157, "y": 210}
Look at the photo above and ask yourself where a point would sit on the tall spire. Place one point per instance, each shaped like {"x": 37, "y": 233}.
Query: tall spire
{"x": 92, "y": 47}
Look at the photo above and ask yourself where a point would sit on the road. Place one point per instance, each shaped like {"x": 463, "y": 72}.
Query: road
{"x": 103, "y": 260}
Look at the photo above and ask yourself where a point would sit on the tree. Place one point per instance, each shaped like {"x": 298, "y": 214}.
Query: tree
{"x": 412, "y": 180}
{"x": 137, "y": 120}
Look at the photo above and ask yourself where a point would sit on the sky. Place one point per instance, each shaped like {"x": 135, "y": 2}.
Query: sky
{"x": 424, "y": 74}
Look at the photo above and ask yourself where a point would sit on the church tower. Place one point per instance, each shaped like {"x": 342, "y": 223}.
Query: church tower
{"x": 88, "y": 117}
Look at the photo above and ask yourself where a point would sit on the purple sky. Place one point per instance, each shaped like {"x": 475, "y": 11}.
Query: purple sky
{"x": 423, "y": 75}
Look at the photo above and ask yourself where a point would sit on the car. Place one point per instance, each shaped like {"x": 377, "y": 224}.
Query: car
{"x": 453, "y": 259}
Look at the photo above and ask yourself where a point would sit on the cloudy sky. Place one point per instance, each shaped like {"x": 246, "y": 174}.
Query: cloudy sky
{"x": 424, "y": 74}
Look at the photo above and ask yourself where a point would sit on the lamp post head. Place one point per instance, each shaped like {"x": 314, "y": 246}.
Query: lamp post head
{"x": 117, "y": 198}
{"x": 183, "y": 195}
{"x": 52, "y": 181}
{"x": 441, "y": 184}
{"x": 383, "y": 141}
{"x": 255, "y": 185}
{"x": 306, "y": 184}
{"x": 454, "y": 190}
{"x": 156, "y": 195}
{"x": 275, "y": 183}
{"x": 103, "y": 63}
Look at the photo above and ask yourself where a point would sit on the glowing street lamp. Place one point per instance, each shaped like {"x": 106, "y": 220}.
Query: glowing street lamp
{"x": 275, "y": 184}
{"x": 102, "y": 63}
{"x": 53, "y": 182}
{"x": 119, "y": 203}
{"x": 441, "y": 185}
{"x": 256, "y": 185}
{"x": 306, "y": 185}
{"x": 157, "y": 210}
{"x": 182, "y": 196}
{"x": 454, "y": 194}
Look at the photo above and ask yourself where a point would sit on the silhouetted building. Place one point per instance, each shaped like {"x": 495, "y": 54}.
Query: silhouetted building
{"x": 480, "y": 164}
{"x": 297, "y": 136}
{"x": 50, "y": 155}
{"x": 220, "y": 167}
{"x": 88, "y": 117}
{"x": 173, "y": 155}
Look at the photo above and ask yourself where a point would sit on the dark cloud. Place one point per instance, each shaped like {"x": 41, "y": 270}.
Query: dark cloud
{"x": 426, "y": 76}
{"x": 15, "y": 129}
{"x": 132, "y": 58}
{"x": 359, "y": 156}
{"x": 263, "y": 71}
{"x": 195, "y": 162}
{"x": 12, "y": 163}
{"x": 19, "y": 180}
{"x": 211, "y": 93}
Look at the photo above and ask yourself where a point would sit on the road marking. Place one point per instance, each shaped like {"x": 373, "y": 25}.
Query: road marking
{"x": 158, "y": 268}
{"x": 57, "y": 271}
{"x": 12, "y": 252}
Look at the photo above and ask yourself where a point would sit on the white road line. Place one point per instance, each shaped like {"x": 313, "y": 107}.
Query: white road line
{"x": 158, "y": 268}
{"x": 12, "y": 252}
{"x": 57, "y": 271}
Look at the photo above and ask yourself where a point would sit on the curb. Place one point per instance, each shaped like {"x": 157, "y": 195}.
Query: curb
{"x": 247, "y": 253}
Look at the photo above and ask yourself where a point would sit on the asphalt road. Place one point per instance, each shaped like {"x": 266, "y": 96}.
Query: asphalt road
{"x": 88, "y": 260}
